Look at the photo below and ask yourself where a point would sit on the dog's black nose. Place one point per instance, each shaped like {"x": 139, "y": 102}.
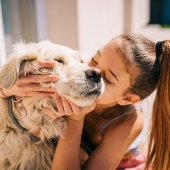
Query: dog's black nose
{"x": 93, "y": 75}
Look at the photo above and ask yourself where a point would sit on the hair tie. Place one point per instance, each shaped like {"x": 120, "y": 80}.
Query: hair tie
{"x": 158, "y": 48}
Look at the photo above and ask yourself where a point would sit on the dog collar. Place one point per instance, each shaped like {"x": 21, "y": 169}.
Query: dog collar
{"x": 14, "y": 120}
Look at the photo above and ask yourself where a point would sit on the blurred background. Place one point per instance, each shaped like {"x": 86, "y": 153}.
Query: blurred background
{"x": 84, "y": 25}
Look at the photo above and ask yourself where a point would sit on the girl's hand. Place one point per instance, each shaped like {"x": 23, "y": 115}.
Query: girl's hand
{"x": 71, "y": 110}
{"x": 30, "y": 85}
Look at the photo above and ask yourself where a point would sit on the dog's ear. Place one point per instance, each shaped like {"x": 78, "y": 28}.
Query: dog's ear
{"x": 9, "y": 72}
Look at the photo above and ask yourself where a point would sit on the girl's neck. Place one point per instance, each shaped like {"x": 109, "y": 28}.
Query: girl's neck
{"x": 100, "y": 109}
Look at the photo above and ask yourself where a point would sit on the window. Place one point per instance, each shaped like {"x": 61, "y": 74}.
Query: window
{"x": 160, "y": 12}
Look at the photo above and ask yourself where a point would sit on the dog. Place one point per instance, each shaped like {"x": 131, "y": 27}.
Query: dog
{"x": 28, "y": 134}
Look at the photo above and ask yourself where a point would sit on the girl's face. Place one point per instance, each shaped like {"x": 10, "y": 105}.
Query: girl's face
{"x": 116, "y": 79}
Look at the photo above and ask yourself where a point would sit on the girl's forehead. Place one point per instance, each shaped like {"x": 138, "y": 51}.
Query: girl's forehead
{"x": 112, "y": 47}
{"x": 112, "y": 60}
{"x": 117, "y": 60}
{"x": 111, "y": 52}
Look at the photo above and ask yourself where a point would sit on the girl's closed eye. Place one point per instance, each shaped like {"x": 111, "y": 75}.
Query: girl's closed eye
{"x": 93, "y": 61}
{"x": 105, "y": 79}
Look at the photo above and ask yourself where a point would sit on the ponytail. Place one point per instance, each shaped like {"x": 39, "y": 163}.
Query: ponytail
{"x": 159, "y": 144}
{"x": 151, "y": 74}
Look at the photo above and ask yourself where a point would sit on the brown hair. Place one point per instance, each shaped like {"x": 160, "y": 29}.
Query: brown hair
{"x": 154, "y": 73}
{"x": 139, "y": 53}
{"x": 159, "y": 145}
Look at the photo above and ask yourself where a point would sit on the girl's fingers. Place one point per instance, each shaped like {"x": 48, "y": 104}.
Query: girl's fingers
{"x": 70, "y": 109}
{"x": 76, "y": 109}
{"x": 59, "y": 104}
{"x": 33, "y": 87}
{"x": 51, "y": 114}
{"x": 27, "y": 85}
{"x": 23, "y": 93}
{"x": 66, "y": 105}
{"x": 39, "y": 79}
{"x": 38, "y": 94}
{"x": 43, "y": 64}
{"x": 39, "y": 87}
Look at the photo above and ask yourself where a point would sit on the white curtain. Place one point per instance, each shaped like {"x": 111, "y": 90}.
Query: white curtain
{"x": 2, "y": 40}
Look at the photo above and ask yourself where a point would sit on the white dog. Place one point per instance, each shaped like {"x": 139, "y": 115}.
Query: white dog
{"x": 27, "y": 132}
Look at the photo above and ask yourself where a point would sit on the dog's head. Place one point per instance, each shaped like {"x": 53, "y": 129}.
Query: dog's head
{"x": 78, "y": 82}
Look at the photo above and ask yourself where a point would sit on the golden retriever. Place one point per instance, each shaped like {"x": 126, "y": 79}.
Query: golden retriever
{"x": 28, "y": 134}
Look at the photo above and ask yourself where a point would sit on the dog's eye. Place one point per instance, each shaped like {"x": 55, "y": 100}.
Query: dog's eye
{"x": 59, "y": 61}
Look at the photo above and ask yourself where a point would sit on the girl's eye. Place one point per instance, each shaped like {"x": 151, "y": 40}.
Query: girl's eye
{"x": 93, "y": 61}
{"x": 105, "y": 79}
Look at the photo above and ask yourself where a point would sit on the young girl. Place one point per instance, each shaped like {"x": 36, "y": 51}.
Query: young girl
{"x": 98, "y": 136}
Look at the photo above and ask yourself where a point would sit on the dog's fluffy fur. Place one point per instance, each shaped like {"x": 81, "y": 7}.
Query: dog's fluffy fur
{"x": 77, "y": 82}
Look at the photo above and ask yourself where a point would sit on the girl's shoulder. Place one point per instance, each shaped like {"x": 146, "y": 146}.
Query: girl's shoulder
{"x": 130, "y": 113}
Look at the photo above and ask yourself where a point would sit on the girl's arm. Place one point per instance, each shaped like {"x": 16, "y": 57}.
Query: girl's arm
{"x": 116, "y": 139}
{"x": 67, "y": 155}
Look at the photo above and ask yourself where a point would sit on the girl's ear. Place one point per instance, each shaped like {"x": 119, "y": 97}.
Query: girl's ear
{"x": 129, "y": 99}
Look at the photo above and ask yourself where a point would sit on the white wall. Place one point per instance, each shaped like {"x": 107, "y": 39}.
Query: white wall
{"x": 98, "y": 22}
{"x": 2, "y": 42}
{"x": 62, "y": 22}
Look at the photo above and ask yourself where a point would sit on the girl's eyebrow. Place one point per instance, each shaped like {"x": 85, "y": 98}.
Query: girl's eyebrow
{"x": 99, "y": 53}
{"x": 109, "y": 69}
{"x": 113, "y": 75}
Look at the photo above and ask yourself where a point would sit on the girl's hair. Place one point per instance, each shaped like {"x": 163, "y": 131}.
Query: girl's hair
{"x": 152, "y": 72}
